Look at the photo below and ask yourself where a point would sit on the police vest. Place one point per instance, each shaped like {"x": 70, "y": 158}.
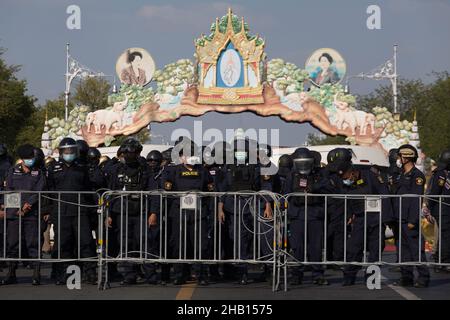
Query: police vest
{"x": 304, "y": 184}
{"x": 241, "y": 177}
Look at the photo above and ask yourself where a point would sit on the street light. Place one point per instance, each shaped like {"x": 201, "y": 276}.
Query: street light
{"x": 388, "y": 70}
{"x": 75, "y": 69}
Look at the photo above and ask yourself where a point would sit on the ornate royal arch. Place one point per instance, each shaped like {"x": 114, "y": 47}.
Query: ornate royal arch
{"x": 230, "y": 73}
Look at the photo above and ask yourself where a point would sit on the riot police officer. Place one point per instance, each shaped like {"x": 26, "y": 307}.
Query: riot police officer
{"x": 26, "y": 176}
{"x": 411, "y": 181}
{"x": 393, "y": 176}
{"x": 336, "y": 222}
{"x": 367, "y": 216}
{"x": 440, "y": 186}
{"x": 214, "y": 159}
{"x": 305, "y": 210}
{"x": 166, "y": 224}
{"x": 189, "y": 224}
{"x": 284, "y": 169}
{"x": 133, "y": 219}
{"x": 242, "y": 175}
{"x": 6, "y": 161}
{"x": 154, "y": 159}
{"x": 5, "y": 164}
{"x": 69, "y": 211}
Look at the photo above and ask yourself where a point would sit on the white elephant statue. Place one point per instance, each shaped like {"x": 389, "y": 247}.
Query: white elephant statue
{"x": 345, "y": 117}
{"x": 104, "y": 118}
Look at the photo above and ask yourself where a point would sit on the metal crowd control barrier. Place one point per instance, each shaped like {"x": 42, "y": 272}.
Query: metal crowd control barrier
{"x": 188, "y": 230}
{"x": 372, "y": 208}
{"x": 64, "y": 213}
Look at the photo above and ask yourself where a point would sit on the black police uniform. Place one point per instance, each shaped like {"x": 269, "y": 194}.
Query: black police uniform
{"x": 411, "y": 182}
{"x": 301, "y": 208}
{"x": 215, "y": 171}
{"x": 21, "y": 181}
{"x": 393, "y": 178}
{"x": 130, "y": 216}
{"x": 189, "y": 225}
{"x": 369, "y": 182}
{"x": 336, "y": 222}
{"x": 440, "y": 186}
{"x": 166, "y": 223}
{"x": 5, "y": 166}
{"x": 70, "y": 216}
{"x": 235, "y": 178}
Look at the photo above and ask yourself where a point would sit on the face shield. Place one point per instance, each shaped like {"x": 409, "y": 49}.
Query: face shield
{"x": 303, "y": 166}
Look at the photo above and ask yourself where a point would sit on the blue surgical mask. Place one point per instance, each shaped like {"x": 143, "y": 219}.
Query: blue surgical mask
{"x": 69, "y": 157}
{"x": 240, "y": 155}
{"x": 29, "y": 162}
{"x": 347, "y": 182}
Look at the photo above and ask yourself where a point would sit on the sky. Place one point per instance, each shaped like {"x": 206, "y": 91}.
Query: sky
{"x": 34, "y": 32}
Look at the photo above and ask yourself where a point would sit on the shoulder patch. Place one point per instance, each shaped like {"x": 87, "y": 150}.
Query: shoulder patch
{"x": 168, "y": 185}
{"x": 360, "y": 181}
{"x": 441, "y": 182}
{"x": 419, "y": 181}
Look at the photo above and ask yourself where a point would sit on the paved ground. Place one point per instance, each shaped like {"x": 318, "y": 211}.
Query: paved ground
{"x": 439, "y": 289}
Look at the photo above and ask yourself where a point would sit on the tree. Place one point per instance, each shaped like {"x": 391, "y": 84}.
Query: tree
{"x": 16, "y": 107}
{"x": 408, "y": 93}
{"x": 433, "y": 116}
{"x": 315, "y": 140}
{"x": 92, "y": 92}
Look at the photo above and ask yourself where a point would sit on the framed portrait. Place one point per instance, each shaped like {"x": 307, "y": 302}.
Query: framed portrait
{"x": 324, "y": 66}
{"x": 135, "y": 66}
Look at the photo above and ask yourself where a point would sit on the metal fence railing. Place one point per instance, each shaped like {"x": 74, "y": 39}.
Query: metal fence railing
{"x": 148, "y": 229}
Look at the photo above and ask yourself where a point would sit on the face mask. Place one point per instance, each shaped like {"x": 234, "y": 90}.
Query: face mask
{"x": 347, "y": 182}
{"x": 29, "y": 162}
{"x": 193, "y": 161}
{"x": 69, "y": 157}
{"x": 130, "y": 157}
{"x": 399, "y": 163}
{"x": 240, "y": 155}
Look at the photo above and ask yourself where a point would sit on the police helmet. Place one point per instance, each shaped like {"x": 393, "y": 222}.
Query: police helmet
{"x": 83, "y": 148}
{"x": 444, "y": 159}
{"x": 131, "y": 145}
{"x": 393, "y": 155}
{"x": 48, "y": 161}
{"x": 303, "y": 161}
{"x": 285, "y": 161}
{"x": 154, "y": 155}
{"x": 93, "y": 155}
{"x": 408, "y": 151}
{"x": 39, "y": 156}
{"x": 26, "y": 151}
{"x": 186, "y": 147}
{"x": 68, "y": 143}
{"x": 103, "y": 160}
{"x": 317, "y": 158}
{"x": 167, "y": 155}
{"x": 339, "y": 153}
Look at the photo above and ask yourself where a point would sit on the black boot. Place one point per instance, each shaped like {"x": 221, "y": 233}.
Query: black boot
{"x": 36, "y": 280}
{"x": 11, "y": 275}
